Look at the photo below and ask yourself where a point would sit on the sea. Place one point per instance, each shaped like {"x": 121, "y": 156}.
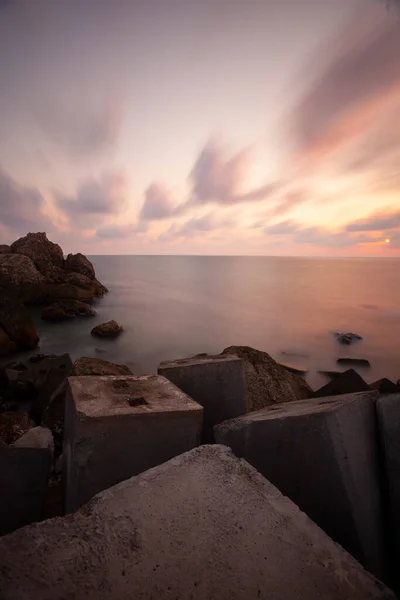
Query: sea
{"x": 178, "y": 306}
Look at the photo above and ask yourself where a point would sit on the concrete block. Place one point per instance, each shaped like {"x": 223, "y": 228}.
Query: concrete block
{"x": 349, "y": 382}
{"x": 203, "y": 526}
{"x": 37, "y": 437}
{"x": 24, "y": 473}
{"x": 116, "y": 427}
{"x": 215, "y": 382}
{"x": 388, "y": 409}
{"x": 322, "y": 453}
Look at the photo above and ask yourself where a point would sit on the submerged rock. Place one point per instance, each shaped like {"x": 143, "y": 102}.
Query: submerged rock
{"x": 347, "y": 338}
{"x": 296, "y": 369}
{"x": 361, "y": 362}
{"x": 109, "y": 329}
{"x": 67, "y": 309}
{"x": 268, "y": 382}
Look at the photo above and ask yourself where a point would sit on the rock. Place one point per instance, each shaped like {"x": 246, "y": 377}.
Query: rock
{"x": 45, "y": 254}
{"x": 38, "y": 357}
{"x": 385, "y": 386}
{"x": 361, "y": 362}
{"x": 35, "y": 272}
{"x": 348, "y": 382}
{"x": 109, "y": 329}
{"x": 204, "y": 525}
{"x": 6, "y": 345}
{"x": 78, "y": 263}
{"x": 266, "y": 381}
{"x": 4, "y": 249}
{"x": 47, "y": 376}
{"x": 53, "y": 414}
{"x": 294, "y": 368}
{"x": 37, "y": 437}
{"x": 18, "y": 324}
{"x": 67, "y": 309}
{"x": 17, "y": 270}
{"x": 13, "y": 425}
{"x": 330, "y": 374}
{"x": 97, "y": 366}
{"x": 347, "y": 338}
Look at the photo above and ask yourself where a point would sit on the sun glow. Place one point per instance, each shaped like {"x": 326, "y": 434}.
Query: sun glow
{"x": 387, "y": 241}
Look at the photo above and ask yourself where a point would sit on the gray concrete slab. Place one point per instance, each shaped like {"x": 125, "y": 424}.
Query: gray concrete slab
{"x": 388, "y": 409}
{"x": 116, "y": 427}
{"x": 24, "y": 473}
{"x": 215, "y": 382}
{"x": 322, "y": 453}
{"x": 204, "y": 526}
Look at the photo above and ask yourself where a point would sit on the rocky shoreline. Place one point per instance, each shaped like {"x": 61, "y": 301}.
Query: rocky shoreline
{"x": 70, "y": 430}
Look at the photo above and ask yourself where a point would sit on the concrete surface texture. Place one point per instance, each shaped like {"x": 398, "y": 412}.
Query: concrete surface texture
{"x": 37, "y": 437}
{"x": 117, "y": 427}
{"x": 322, "y": 453}
{"x": 215, "y": 382}
{"x": 389, "y": 428}
{"x": 203, "y": 526}
{"x": 24, "y": 473}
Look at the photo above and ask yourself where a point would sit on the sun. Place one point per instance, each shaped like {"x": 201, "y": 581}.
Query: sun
{"x": 387, "y": 241}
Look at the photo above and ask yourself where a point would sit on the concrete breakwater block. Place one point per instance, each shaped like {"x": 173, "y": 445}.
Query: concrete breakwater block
{"x": 389, "y": 428}
{"x": 24, "y": 473}
{"x": 322, "y": 453}
{"x": 204, "y": 525}
{"x": 117, "y": 427}
{"x": 215, "y": 382}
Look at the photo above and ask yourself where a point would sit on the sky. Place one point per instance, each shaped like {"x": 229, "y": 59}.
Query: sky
{"x": 257, "y": 127}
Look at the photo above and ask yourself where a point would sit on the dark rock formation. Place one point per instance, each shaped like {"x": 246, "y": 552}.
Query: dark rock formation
{"x": 34, "y": 271}
{"x": 67, "y": 309}
{"x": 266, "y": 381}
{"x": 4, "y": 249}
{"x": 385, "y": 386}
{"x": 13, "y": 425}
{"x": 6, "y": 345}
{"x": 97, "y": 366}
{"x": 18, "y": 324}
{"x": 109, "y": 329}
{"x": 78, "y": 263}
{"x": 348, "y": 382}
{"x": 347, "y": 338}
{"x": 361, "y": 362}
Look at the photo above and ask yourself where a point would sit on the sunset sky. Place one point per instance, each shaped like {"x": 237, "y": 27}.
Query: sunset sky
{"x": 201, "y": 126}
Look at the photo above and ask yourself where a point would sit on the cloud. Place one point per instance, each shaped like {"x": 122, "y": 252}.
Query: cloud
{"x": 21, "y": 207}
{"x": 196, "y": 226}
{"x": 316, "y": 235}
{"x": 158, "y": 204}
{"x": 115, "y": 232}
{"x": 220, "y": 179}
{"x": 78, "y": 125}
{"x": 95, "y": 199}
{"x": 356, "y": 84}
{"x": 376, "y": 222}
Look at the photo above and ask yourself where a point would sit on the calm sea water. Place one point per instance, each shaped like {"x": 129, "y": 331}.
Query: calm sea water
{"x": 177, "y": 306}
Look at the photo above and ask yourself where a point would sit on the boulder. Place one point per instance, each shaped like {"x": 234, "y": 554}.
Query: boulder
{"x": 6, "y": 345}
{"x": 18, "y": 324}
{"x": 348, "y": 382}
{"x": 78, "y": 263}
{"x": 97, "y": 366}
{"x": 13, "y": 425}
{"x": 47, "y": 376}
{"x": 17, "y": 270}
{"x": 109, "y": 329}
{"x": 4, "y": 249}
{"x": 36, "y": 437}
{"x": 67, "y": 309}
{"x": 45, "y": 254}
{"x": 266, "y": 381}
